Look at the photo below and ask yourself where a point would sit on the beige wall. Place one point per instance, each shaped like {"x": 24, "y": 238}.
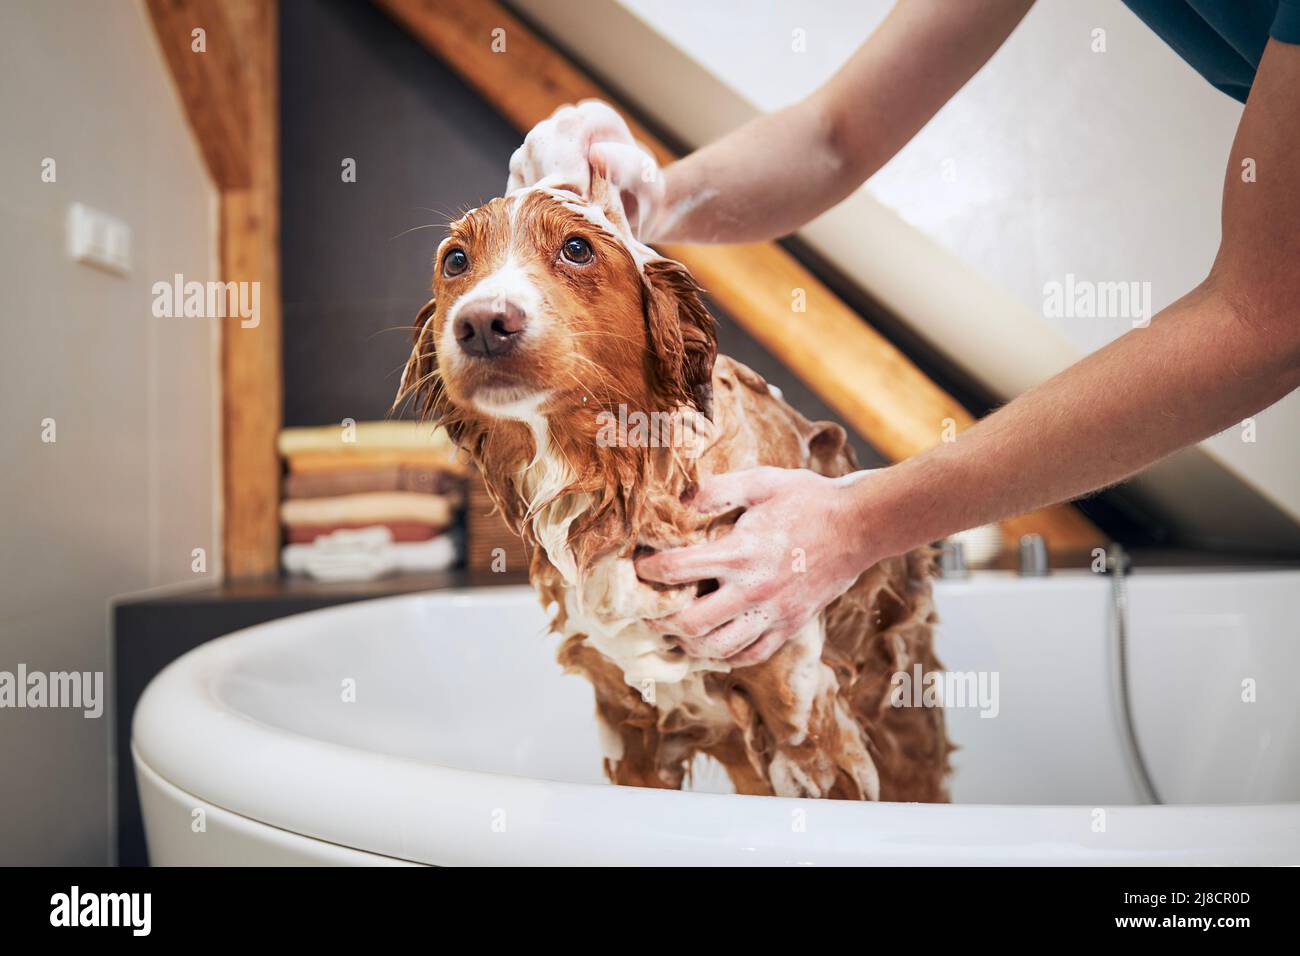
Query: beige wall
{"x": 129, "y": 488}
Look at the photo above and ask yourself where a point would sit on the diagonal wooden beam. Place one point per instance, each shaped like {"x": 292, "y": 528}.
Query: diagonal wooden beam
{"x": 210, "y": 81}
{"x": 875, "y": 387}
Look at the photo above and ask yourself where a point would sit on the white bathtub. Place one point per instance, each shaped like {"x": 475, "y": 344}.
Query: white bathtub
{"x": 466, "y": 745}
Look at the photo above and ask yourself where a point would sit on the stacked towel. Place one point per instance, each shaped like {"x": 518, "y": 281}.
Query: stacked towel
{"x": 351, "y": 481}
{"x": 366, "y": 554}
{"x": 366, "y": 499}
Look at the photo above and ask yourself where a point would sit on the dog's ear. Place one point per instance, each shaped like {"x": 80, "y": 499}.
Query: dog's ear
{"x": 683, "y": 335}
{"x": 420, "y": 377}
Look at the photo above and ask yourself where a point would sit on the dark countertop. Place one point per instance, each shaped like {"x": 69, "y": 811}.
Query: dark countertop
{"x": 304, "y": 589}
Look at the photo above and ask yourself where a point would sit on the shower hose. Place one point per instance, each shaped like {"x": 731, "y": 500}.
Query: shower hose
{"x": 1117, "y": 566}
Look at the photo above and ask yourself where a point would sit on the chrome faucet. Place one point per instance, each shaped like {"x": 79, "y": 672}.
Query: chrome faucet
{"x": 1033, "y": 556}
{"x": 952, "y": 560}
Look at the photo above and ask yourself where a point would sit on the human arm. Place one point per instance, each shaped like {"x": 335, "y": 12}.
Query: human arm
{"x": 777, "y": 172}
{"x": 1224, "y": 351}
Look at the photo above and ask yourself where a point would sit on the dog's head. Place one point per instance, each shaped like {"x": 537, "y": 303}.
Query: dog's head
{"x": 542, "y": 309}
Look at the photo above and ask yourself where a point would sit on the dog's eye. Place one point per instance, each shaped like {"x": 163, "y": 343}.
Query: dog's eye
{"x": 455, "y": 262}
{"x": 577, "y": 250}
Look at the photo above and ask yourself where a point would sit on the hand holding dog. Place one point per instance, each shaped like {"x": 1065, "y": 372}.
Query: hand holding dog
{"x": 799, "y": 545}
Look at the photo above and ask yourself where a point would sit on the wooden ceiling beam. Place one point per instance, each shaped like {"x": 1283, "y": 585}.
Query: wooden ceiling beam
{"x": 211, "y": 82}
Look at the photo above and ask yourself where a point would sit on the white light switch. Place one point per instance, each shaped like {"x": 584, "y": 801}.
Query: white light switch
{"x": 98, "y": 239}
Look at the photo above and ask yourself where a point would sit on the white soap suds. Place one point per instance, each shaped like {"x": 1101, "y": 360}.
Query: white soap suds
{"x": 540, "y": 483}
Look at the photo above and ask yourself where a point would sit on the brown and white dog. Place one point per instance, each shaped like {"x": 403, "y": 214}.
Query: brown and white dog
{"x": 548, "y": 323}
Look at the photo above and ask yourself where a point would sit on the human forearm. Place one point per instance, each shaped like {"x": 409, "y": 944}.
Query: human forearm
{"x": 1226, "y": 350}
{"x": 763, "y": 180}
{"x": 1202, "y": 365}
{"x": 781, "y": 170}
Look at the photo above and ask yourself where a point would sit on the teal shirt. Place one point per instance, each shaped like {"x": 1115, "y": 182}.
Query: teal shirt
{"x": 1222, "y": 39}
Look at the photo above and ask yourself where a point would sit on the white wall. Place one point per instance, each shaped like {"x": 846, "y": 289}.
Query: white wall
{"x": 129, "y": 488}
{"x": 1105, "y": 165}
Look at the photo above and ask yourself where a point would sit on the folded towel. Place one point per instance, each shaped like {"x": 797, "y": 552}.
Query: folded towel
{"x": 351, "y": 481}
{"x": 404, "y": 531}
{"x": 314, "y": 462}
{"x": 413, "y": 436}
{"x": 366, "y": 554}
{"x": 374, "y": 508}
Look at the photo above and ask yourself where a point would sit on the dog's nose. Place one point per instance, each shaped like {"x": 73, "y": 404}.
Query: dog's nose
{"x": 490, "y": 328}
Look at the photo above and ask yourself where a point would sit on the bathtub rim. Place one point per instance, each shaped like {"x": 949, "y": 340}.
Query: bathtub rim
{"x": 245, "y": 769}
{"x": 169, "y": 822}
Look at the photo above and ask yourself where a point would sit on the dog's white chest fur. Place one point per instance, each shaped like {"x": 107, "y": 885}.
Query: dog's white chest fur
{"x": 610, "y": 606}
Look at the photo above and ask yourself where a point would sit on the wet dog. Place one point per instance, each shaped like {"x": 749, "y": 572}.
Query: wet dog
{"x": 579, "y": 370}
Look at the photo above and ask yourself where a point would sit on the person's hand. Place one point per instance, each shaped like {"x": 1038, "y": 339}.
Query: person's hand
{"x": 798, "y": 546}
{"x": 576, "y": 141}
